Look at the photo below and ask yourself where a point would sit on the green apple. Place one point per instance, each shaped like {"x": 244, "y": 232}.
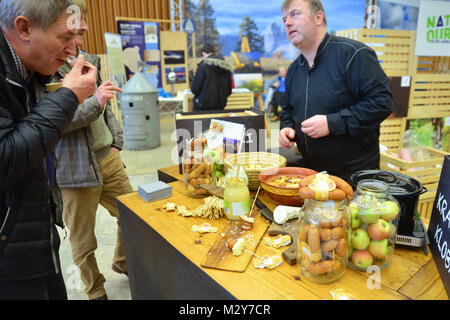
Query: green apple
{"x": 392, "y": 231}
{"x": 215, "y": 156}
{"x": 362, "y": 259}
{"x": 350, "y": 251}
{"x": 378, "y": 249}
{"x": 379, "y": 230}
{"x": 364, "y": 226}
{"x": 354, "y": 210}
{"x": 360, "y": 239}
{"x": 389, "y": 210}
{"x": 369, "y": 215}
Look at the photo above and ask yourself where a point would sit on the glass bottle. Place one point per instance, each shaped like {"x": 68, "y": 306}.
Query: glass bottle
{"x": 236, "y": 198}
{"x": 322, "y": 243}
{"x": 374, "y": 225}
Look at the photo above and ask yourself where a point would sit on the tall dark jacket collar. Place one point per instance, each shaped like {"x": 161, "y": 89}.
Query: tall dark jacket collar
{"x": 320, "y": 50}
{"x": 7, "y": 61}
{"x": 9, "y": 65}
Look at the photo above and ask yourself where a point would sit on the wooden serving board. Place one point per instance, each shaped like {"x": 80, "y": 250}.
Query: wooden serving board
{"x": 221, "y": 257}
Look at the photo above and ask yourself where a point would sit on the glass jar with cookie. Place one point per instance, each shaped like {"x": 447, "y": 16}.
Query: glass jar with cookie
{"x": 323, "y": 228}
{"x": 196, "y": 168}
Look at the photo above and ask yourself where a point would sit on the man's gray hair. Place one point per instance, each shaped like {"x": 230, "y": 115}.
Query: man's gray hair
{"x": 41, "y": 13}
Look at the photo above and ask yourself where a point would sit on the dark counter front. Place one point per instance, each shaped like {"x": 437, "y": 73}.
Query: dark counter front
{"x": 158, "y": 270}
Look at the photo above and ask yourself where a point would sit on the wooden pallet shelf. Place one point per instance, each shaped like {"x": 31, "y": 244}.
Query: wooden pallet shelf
{"x": 429, "y": 96}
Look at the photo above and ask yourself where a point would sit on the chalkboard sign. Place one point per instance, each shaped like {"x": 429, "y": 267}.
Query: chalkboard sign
{"x": 439, "y": 228}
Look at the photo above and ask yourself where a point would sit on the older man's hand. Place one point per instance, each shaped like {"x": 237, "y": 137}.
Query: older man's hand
{"x": 106, "y": 92}
{"x": 82, "y": 79}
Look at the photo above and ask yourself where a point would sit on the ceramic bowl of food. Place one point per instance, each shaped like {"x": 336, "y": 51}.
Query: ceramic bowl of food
{"x": 282, "y": 184}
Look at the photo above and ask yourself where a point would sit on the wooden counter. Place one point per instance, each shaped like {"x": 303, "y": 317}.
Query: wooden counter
{"x": 164, "y": 261}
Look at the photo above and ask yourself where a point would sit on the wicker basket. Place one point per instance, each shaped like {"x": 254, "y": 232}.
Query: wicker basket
{"x": 254, "y": 163}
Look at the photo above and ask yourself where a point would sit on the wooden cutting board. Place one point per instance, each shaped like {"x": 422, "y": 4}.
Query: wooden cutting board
{"x": 221, "y": 257}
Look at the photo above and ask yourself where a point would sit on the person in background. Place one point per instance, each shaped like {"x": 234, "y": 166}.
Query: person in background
{"x": 35, "y": 39}
{"x": 212, "y": 82}
{"x": 91, "y": 172}
{"x": 336, "y": 95}
{"x": 277, "y": 99}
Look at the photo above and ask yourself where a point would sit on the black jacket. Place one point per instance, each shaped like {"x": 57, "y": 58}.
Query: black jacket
{"x": 348, "y": 85}
{"x": 28, "y": 238}
{"x": 212, "y": 84}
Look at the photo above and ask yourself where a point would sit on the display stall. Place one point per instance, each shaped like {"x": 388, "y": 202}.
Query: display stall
{"x": 173, "y": 266}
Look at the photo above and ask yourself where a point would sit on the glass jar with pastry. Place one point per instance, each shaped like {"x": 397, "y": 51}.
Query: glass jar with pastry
{"x": 322, "y": 243}
{"x": 196, "y": 168}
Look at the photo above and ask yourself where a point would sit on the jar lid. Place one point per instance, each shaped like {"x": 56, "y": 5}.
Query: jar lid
{"x": 399, "y": 184}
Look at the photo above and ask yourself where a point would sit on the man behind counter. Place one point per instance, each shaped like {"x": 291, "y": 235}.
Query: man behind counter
{"x": 336, "y": 95}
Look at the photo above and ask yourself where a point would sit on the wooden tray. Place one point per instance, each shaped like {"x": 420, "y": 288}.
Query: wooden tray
{"x": 221, "y": 257}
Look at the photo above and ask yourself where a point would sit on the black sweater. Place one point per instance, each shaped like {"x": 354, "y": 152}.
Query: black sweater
{"x": 348, "y": 85}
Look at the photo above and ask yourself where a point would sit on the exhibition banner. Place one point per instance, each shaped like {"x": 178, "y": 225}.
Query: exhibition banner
{"x": 114, "y": 55}
{"x": 141, "y": 49}
{"x": 433, "y": 29}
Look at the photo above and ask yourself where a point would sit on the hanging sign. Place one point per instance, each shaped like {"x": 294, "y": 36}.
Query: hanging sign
{"x": 439, "y": 227}
{"x": 433, "y": 29}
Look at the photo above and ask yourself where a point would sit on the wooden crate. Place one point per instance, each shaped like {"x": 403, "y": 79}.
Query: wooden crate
{"x": 394, "y": 48}
{"x": 429, "y": 96}
{"x": 434, "y": 65}
{"x": 237, "y": 100}
{"x": 391, "y": 133}
{"x": 427, "y": 172}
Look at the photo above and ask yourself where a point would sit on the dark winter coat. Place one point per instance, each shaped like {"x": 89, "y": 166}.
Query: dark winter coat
{"x": 212, "y": 84}
{"x": 28, "y": 238}
{"x": 348, "y": 85}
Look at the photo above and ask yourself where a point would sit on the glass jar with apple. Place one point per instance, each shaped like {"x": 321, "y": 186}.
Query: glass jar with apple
{"x": 322, "y": 243}
{"x": 374, "y": 222}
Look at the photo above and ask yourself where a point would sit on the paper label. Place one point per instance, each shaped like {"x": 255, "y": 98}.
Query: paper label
{"x": 322, "y": 185}
{"x": 237, "y": 208}
{"x": 406, "y": 81}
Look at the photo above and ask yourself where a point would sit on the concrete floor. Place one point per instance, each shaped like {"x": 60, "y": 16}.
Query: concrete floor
{"x": 141, "y": 168}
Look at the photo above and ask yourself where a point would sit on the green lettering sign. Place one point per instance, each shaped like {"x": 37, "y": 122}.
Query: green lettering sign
{"x": 431, "y": 22}
{"x": 430, "y": 35}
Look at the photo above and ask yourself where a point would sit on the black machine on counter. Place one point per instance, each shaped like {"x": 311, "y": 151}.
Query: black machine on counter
{"x": 411, "y": 231}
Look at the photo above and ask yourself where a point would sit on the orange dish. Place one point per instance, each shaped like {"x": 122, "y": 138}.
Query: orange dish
{"x": 282, "y": 184}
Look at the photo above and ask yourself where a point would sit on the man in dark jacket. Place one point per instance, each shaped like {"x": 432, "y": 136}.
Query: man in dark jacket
{"x": 212, "y": 82}
{"x": 35, "y": 39}
{"x": 336, "y": 95}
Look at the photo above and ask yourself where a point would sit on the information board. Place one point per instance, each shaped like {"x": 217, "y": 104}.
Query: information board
{"x": 141, "y": 49}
